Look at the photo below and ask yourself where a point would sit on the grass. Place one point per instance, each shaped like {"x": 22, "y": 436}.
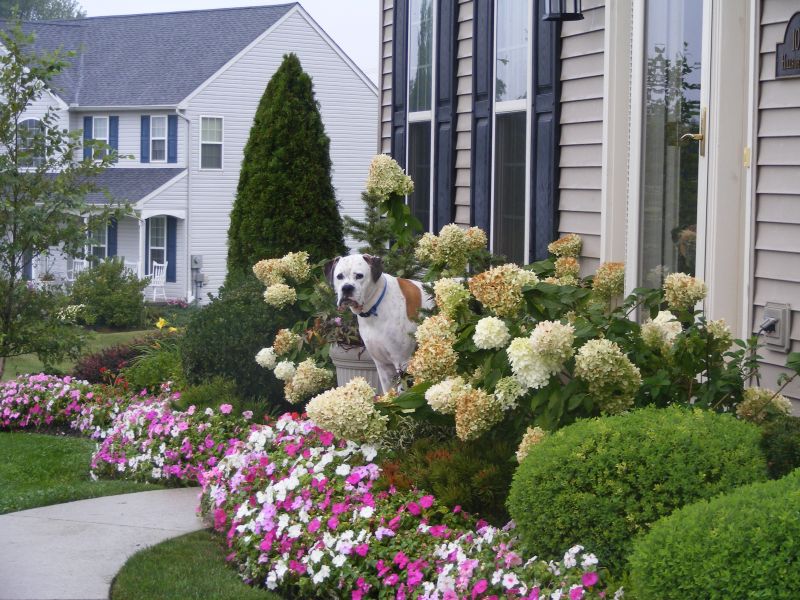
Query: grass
{"x": 187, "y": 567}
{"x": 37, "y": 470}
{"x": 29, "y": 363}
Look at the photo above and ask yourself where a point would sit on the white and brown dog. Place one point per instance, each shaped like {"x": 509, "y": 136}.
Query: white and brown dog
{"x": 387, "y": 308}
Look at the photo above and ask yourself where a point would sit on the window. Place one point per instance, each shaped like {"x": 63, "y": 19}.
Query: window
{"x": 31, "y": 143}
{"x": 100, "y": 133}
{"x": 420, "y": 94}
{"x": 211, "y": 142}
{"x": 510, "y": 177}
{"x": 98, "y": 243}
{"x": 157, "y": 242}
{"x": 158, "y": 139}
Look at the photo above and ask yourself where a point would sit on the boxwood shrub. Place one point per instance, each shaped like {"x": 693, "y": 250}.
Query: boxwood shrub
{"x": 745, "y": 544}
{"x": 780, "y": 441}
{"x": 223, "y": 338}
{"x": 602, "y": 481}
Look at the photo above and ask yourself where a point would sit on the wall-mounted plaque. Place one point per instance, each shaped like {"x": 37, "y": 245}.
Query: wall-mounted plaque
{"x": 787, "y": 59}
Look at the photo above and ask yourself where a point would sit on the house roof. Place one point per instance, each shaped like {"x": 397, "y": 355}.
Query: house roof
{"x": 148, "y": 59}
{"x": 130, "y": 185}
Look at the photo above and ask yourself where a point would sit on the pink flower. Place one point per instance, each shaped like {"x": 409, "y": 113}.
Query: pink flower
{"x": 479, "y": 588}
{"x": 413, "y": 508}
{"x": 313, "y": 525}
{"x": 589, "y": 579}
{"x": 576, "y": 593}
{"x": 362, "y": 550}
{"x": 333, "y": 523}
{"x": 391, "y": 579}
{"x": 401, "y": 560}
{"x": 534, "y": 595}
{"x": 426, "y": 501}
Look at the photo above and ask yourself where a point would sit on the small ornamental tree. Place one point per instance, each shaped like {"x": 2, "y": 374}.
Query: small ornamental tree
{"x": 285, "y": 200}
{"x": 42, "y": 201}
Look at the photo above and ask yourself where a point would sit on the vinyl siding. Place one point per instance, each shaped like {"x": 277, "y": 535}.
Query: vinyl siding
{"x": 130, "y": 135}
{"x": 385, "y": 79}
{"x": 582, "y": 130}
{"x": 776, "y": 268}
{"x": 348, "y": 105}
{"x": 463, "y": 152}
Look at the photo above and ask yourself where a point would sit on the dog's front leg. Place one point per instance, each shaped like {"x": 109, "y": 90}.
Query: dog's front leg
{"x": 386, "y": 374}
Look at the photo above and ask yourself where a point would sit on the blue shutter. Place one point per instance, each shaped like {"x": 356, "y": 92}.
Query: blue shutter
{"x": 146, "y": 257}
{"x": 87, "y": 135}
{"x": 172, "y": 254}
{"x": 172, "y": 138}
{"x": 144, "y": 155}
{"x": 545, "y": 134}
{"x": 444, "y": 115}
{"x": 113, "y": 133}
{"x": 399, "y": 80}
{"x": 482, "y": 56}
{"x": 111, "y": 238}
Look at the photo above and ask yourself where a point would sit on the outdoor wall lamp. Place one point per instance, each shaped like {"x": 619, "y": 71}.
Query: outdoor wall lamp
{"x": 562, "y": 10}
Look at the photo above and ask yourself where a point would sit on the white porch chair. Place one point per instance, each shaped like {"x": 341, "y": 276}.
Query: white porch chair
{"x": 79, "y": 265}
{"x": 131, "y": 267}
{"x": 158, "y": 278}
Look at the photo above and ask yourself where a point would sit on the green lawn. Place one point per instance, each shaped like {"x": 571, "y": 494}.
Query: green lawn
{"x": 28, "y": 363}
{"x": 37, "y": 470}
{"x": 187, "y": 567}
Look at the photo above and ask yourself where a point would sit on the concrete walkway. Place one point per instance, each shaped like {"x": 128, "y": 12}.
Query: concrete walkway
{"x": 72, "y": 551}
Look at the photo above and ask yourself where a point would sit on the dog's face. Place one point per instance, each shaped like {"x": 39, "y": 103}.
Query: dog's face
{"x": 353, "y": 278}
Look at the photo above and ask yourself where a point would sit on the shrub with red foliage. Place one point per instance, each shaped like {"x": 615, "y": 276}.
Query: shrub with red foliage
{"x": 104, "y": 366}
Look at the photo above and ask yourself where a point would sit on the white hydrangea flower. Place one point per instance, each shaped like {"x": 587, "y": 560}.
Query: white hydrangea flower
{"x": 442, "y": 396}
{"x": 266, "y": 358}
{"x": 662, "y": 330}
{"x": 491, "y": 332}
{"x": 285, "y": 370}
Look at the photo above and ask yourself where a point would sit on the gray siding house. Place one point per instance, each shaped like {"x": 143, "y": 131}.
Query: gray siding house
{"x": 176, "y": 93}
{"x": 533, "y": 128}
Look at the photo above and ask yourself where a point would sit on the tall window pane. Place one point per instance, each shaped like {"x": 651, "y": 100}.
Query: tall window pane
{"x": 158, "y": 139}
{"x": 211, "y": 143}
{"x": 31, "y": 142}
{"x": 419, "y": 168}
{"x": 511, "y": 58}
{"x": 420, "y": 81}
{"x": 509, "y": 186}
{"x": 673, "y": 46}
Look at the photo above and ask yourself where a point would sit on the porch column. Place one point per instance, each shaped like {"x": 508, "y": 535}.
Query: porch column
{"x": 142, "y": 257}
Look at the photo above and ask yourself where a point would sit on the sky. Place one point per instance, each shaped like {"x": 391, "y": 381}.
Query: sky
{"x": 353, "y": 24}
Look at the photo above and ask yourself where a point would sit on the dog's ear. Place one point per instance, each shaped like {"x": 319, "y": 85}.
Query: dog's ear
{"x": 375, "y": 266}
{"x": 330, "y": 266}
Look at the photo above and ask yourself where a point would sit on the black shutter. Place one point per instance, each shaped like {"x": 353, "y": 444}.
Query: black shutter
{"x": 87, "y": 135}
{"x": 172, "y": 248}
{"x": 445, "y": 113}
{"x": 147, "y": 246}
{"x": 482, "y": 74}
{"x": 399, "y": 80}
{"x": 111, "y": 238}
{"x": 172, "y": 138}
{"x": 145, "y": 145}
{"x": 113, "y": 133}
{"x": 545, "y": 132}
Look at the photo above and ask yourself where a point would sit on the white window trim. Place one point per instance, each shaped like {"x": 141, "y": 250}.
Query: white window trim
{"x": 153, "y": 138}
{"x": 221, "y": 144}
{"x": 91, "y": 245}
{"x": 422, "y": 116}
{"x": 151, "y": 247}
{"x": 108, "y": 129}
{"x": 509, "y": 106}
{"x": 33, "y": 166}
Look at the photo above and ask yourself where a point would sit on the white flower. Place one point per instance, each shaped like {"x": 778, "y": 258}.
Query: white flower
{"x": 322, "y": 574}
{"x": 442, "y": 396}
{"x": 510, "y": 580}
{"x": 366, "y": 512}
{"x": 285, "y": 370}
{"x": 661, "y": 331}
{"x": 491, "y": 332}
{"x": 343, "y": 470}
{"x": 339, "y": 560}
{"x": 266, "y": 358}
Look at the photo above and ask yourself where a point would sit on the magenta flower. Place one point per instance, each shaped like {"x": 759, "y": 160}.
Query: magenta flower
{"x": 479, "y": 588}
{"x": 589, "y": 579}
{"x": 225, "y": 409}
{"x": 313, "y": 525}
{"x": 576, "y": 593}
{"x": 413, "y": 508}
{"x": 362, "y": 550}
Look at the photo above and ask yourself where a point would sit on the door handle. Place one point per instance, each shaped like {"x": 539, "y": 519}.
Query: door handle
{"x": 700, "y": 136}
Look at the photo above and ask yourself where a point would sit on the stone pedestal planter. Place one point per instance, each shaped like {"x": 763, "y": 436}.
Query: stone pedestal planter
{"x": 353, "y": 362}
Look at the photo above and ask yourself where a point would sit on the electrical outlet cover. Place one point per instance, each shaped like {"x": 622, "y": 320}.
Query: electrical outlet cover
{"x": 778, "y": 340}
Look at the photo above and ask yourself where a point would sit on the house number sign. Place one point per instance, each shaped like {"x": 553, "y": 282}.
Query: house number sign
{"x": 788, "y": 53}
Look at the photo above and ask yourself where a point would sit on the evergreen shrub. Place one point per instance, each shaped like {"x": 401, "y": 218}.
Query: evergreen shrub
{"x": 285, "y": 201}
{"x": 112, "y": 297}
{"x": 744, "y": 544}
{"x": 223, "y": 338}
{"x": 780, "y": 441}
{"x": 604, "y": 480}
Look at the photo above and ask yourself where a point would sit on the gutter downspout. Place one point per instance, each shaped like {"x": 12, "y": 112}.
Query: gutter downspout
{"x": 188, "y": 267}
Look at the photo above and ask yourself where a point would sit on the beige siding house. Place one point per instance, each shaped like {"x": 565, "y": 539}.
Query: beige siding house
{"x": 634, "y": 80}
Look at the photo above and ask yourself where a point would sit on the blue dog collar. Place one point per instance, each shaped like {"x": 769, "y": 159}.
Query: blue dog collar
{"x": 374, "y": 310}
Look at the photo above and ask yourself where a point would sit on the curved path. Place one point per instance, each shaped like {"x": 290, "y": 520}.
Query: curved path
{"x": 72, "y": 551}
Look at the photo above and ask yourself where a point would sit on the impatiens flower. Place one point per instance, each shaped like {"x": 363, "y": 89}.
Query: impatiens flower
{"x": 682, "y": 291}
{"x": 225, "y": 409}
{"x": 589, "y": 579}
{"x": 490, "y": 333}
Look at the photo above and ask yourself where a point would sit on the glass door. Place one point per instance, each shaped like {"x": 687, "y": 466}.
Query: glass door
{"x": 673, "y": 144}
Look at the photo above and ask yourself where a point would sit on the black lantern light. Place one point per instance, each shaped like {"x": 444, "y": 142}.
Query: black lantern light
{"x": 562, "y": 10}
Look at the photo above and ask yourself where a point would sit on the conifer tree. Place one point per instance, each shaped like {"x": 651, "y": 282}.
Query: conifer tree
{"x": 285, "y": 200}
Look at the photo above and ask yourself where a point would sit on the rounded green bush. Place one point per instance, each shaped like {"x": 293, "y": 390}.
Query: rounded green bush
{"x": 599, "y": 482}
{"x": 112, "y": 297}
{"x": 745, "y": 544}
{"x": 780, "y": 442}
{"x": 223, "y": 338}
